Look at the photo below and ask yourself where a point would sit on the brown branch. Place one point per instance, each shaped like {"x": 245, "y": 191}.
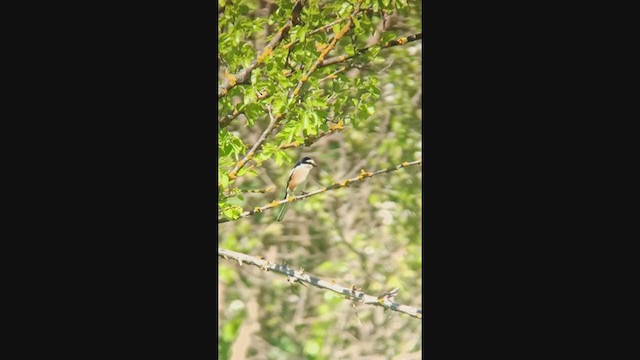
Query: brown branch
{"x": 390, "y": 43}
{"x": 231, "y": 80}
{"x": 302, "y": 277}
{"x": 363, "y": 175}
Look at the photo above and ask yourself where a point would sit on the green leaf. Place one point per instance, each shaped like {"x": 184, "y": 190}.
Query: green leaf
{"x": 387, "y": 36}
{"x": 235, "y": 201}
{"x": 303, "y": 33}
{"x": 223, "y": 180}
{"x": 232, "y": 213}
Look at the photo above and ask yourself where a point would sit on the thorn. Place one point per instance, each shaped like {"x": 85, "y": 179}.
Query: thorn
{"x": 388, "y": 296}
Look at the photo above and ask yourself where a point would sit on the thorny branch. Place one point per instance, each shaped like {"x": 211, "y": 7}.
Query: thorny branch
{"x": 363, "y": 175}
{"x": 301, "y": 276}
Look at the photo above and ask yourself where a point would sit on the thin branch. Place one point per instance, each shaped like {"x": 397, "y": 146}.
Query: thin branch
{"x": 227, "y": 119}
{"x": 272, "y": 123}
{"x": 313, "y": 138}
{"x": 260, "y": 191}
{"x": 231, "y": 80}
{"x": 363, "y": 175}
{"x": 230, "y": 193}
{"x": 390, "y": 43}
{"x": 326, "y": 27}
{"x": 384, "y": 301}
{"x": 337, "y": 36}
{"x": 333, "y": 75}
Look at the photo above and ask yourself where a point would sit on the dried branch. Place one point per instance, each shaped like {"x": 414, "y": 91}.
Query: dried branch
{"x": 231, "y": 80}
{"x": 363, "y": 175}
{"x": 301, "y": 276}
{"x": 342, "y": 58}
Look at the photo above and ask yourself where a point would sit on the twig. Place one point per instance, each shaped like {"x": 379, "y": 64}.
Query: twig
{"x": 234, "y": 173}
{"x": 324, "y": 27}
{"x": 337, "y": 36}
{"x": 333, "y": 75}
{"x": 363, "y": 175}
{"x": 301, "y": 276}
{"x": 227, "y": 119}
{"x": 313, "y": 138}
{"x": 395, "y": 42}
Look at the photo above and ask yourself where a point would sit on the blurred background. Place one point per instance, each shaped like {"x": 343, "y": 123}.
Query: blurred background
{"x": 368, "y": 234}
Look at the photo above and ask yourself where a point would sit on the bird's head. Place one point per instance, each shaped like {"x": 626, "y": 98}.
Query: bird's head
{"x": 307, "y": 160}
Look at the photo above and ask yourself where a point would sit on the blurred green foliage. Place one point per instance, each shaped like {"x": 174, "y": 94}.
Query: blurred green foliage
{"x": 368, "y": 234}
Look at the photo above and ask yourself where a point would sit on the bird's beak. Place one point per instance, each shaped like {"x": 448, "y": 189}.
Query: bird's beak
{"x": 313, "y": 163}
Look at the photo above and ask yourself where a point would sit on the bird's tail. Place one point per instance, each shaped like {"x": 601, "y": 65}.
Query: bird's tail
{"x": 283, "y": 210}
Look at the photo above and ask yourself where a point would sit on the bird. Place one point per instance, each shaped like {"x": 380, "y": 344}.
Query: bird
{"x": 297, "y": 180}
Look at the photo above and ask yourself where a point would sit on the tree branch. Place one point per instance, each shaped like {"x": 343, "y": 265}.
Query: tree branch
{"x": 342, "y": 58}
{"x": 231, "y": 80}
{"x": 272, "y": 123}
{"x": 302, "y": 277}
{"x": 337, "y": 36}
{"x": 363, "y": 175}
{"x": 296, "y": 92}
{"x": 313, "y": 138}
{"x": 227, "y": 119}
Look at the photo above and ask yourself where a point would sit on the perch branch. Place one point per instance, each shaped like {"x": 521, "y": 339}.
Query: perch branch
{"x": 363, "y": 175}
{"x": 302, "y": 277}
